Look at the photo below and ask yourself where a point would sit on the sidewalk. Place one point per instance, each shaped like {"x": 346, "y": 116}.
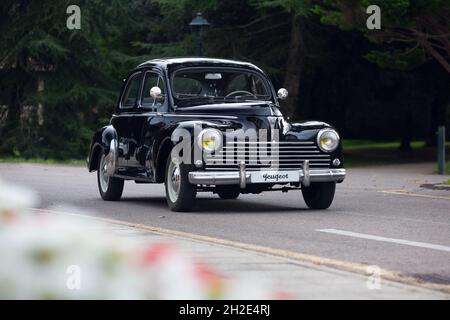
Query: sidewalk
{"x": 400, "y": 179}
{"x": 300, "y": 280}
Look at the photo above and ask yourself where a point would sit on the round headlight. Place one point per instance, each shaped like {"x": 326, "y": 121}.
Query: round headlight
{"x": 327, "y": 140}
{"x": 209, "y": 139}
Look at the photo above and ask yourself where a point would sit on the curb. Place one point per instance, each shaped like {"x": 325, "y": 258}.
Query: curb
{"x": 437, "y": 186}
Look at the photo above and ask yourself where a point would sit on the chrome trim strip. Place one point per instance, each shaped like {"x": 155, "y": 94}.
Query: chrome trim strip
{"x": 262, "y": 162}
{"x": 235, "y": 177}
{"x": 232, "y": 146}
{"x": 273, "y": 143}
{"x": 242, "y": 175}
{"x": 296, "y": 156}
{"x": 306, "y": 177}
{"x": 247, "y": 156}
{"x": 317, "y": 166}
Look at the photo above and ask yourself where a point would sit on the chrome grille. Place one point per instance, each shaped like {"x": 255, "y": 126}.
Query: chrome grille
{"x": 284, "y": 155}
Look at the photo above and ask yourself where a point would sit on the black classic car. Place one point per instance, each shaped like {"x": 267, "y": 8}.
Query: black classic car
{"x": 212, "y": 125}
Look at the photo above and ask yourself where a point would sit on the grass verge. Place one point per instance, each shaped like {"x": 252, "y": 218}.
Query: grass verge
{"x": 365, "y": 153}
{"x": 75, "y": 162}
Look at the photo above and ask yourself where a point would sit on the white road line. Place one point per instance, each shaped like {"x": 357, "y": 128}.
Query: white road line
{"x": 384, "y": 239}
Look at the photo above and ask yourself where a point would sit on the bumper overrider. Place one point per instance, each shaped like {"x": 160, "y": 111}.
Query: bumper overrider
{"x": 243, "y": 177}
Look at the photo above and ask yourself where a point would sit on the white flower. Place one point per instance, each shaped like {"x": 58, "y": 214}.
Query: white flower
{"x": 16, "y": 198}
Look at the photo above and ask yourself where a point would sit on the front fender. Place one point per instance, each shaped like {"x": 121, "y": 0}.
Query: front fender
{"x": 163, "y": 146}
{"x": 101, "y": 142}
{"x": 193, "y": 128}
{"x": 308, "y": 130}
{"x": 298, "y": 126}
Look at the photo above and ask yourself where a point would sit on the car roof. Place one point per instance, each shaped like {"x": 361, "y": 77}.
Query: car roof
{"x": 170, "y": 63}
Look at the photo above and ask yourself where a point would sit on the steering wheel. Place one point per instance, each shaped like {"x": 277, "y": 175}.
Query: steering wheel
{"x": 234, "y": 93}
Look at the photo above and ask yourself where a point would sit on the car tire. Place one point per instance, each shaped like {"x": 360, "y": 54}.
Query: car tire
{"x": 180, "y": 194}
{"x": 110, "y": 188}
{"x": 319, "y": 195}
{"x": 227, "y": 192}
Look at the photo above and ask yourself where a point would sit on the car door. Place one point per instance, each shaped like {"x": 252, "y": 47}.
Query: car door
{"x": 122, "y": 121}
{"x": 148, "y": 124}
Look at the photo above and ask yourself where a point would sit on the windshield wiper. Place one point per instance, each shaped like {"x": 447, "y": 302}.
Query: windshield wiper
{"x": 244, "y": 97}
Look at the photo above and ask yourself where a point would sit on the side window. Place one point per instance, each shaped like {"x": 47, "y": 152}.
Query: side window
{"x": 131, "y": 93}
{"x": 153, "y": 79}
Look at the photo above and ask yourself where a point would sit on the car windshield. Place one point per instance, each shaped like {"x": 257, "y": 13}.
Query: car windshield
{"x": 212, "y": 85}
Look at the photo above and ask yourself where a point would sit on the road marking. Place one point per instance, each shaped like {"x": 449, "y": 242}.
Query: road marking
{"x": 378, "y": 216}
{"x": 384, "y": 239}
{"x": 407, "y": 193}
{"x": 294, "y": 256}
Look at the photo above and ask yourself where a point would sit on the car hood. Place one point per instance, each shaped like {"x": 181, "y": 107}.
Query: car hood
{"x": 256, "y": 108}
{"x": 249, "y": 115}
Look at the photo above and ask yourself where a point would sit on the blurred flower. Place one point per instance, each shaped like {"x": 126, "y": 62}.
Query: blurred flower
{"x": 51, "y": 256}
{"x": 13, "y": 200}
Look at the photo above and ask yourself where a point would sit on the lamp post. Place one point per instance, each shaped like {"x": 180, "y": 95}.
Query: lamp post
{"x": 197, "y": 25}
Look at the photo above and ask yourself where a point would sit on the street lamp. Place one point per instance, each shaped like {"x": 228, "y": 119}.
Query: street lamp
{"x": 197, "y": 24}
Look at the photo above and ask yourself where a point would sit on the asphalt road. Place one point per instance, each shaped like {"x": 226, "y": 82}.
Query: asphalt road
{"x": 409, "y": 233}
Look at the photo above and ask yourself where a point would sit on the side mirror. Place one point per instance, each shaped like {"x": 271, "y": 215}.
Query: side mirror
{"x": 155, "y": 92}
{"x": 282, "y": 94}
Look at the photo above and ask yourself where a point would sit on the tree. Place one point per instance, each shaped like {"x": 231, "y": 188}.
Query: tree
{"x": 412, "y": 33}
{"x": 298, "y": 11}
{"x": 69, "y": 73}
{"x": 412, "y": 30}
{"x": 69, "y": 79}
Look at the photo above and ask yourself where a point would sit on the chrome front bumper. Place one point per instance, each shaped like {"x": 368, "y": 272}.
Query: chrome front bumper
{"x": 243, "y": 177}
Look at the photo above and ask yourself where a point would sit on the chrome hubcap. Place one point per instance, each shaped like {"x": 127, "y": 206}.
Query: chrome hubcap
{"x": 104, "y": 178}
{"x": 173, "y": 181}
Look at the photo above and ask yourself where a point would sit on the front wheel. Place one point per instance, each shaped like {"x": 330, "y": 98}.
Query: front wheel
{"x": 110, "y": 188}
{"x": 180, "y": 194}
{"x": 319, "y": 195}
